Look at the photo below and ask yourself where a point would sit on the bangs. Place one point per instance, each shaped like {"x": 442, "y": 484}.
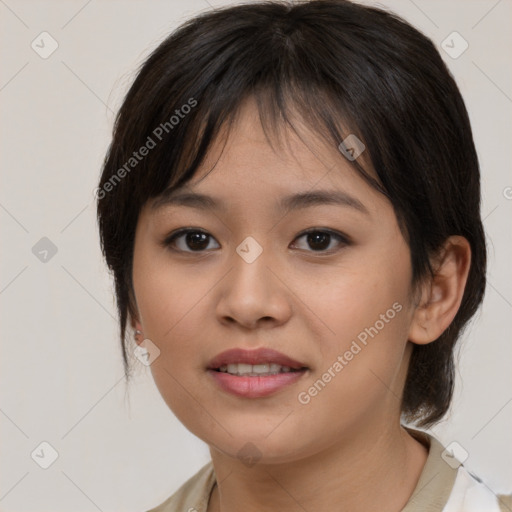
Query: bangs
{"x": 286, "y": 97}
{"x": 279, "y": 111}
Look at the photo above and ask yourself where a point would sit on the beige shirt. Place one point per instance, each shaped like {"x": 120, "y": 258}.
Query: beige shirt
{"x": 442, "y": 487}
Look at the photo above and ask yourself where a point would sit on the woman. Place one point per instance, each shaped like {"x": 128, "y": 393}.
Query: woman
{"x": 290, "y": 207}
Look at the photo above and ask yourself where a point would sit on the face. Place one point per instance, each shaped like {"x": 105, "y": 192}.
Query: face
{"x": 324, "y": 283}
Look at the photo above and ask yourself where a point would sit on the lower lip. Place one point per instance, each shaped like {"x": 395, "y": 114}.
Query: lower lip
{"x": 255, "y": 387}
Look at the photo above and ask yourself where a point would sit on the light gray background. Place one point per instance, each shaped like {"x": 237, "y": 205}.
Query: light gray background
{"x": 61, "y": 372}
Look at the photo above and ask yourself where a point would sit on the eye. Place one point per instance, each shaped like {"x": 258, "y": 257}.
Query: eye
{"x": 194, "y": 239}
{"x": 320, "y": 239}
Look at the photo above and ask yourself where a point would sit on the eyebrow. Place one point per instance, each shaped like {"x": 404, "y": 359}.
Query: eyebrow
{"x": 290, "y": 202}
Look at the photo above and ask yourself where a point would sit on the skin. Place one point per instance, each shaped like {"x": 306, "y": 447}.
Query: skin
{"x": 345, "y": 449}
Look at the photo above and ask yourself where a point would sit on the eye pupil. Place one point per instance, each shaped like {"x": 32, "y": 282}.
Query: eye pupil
{"x": 318, "y": 240}
{"x": 196, "y": 237}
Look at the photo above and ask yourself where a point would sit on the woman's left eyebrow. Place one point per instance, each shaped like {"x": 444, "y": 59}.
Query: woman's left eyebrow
{"x": 291, "y": 202}
{"x": 321, "y": 197}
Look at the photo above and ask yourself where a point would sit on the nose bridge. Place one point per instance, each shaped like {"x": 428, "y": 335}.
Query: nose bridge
{"x": 250, "y": 273}
{"x": 250, "y": 291}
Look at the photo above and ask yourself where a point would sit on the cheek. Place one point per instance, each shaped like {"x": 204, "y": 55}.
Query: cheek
{"x": 366, "y": 296}
{"x": 359, "y": 376}
{"x": 170, "y": 308}
{"x": 366, "y": 306}
{"x": 166, "y": 296}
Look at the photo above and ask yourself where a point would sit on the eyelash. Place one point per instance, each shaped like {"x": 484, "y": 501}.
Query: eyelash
{"x": 172, "y": 237}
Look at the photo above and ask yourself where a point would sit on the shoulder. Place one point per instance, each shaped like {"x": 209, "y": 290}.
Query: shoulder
{"x": 470, "y": 494}
{"x": 193, "y": 495}
{"x": 505, "y": 502}
{"x": 445, "y": 484}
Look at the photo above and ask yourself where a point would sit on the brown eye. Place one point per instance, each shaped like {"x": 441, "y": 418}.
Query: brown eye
{"x": 320, "y": 240}
{"x": 188, "y": 240}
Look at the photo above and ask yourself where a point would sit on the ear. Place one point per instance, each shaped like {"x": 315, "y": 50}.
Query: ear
{"x": 441, "y": 296}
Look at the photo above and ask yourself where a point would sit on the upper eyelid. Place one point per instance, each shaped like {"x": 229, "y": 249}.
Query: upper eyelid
{"x": 183, "y": 231}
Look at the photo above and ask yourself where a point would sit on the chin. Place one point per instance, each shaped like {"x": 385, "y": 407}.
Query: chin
{"x": 255, "y": 445}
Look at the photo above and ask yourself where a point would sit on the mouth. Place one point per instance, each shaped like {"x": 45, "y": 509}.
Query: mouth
{"x": 255, "y": 373}
{"x": 254, "y": 363}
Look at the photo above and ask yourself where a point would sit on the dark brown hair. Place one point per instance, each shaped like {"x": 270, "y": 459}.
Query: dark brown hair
{"x": 338, "y": 64}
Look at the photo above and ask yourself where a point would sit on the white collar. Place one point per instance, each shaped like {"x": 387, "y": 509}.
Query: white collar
{"x": 470, "y": 495}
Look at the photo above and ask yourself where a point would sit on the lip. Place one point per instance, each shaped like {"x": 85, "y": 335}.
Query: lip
{"x": 258, "y": 356}
{"x": 254, "y": 387}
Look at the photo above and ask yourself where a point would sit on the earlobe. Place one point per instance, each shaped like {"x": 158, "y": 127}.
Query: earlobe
{"x": 138, "y": 334}
{"x": 442, "y": 295}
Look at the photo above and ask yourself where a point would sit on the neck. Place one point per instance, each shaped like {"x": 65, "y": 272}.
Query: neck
{"x": 369, "y": 468}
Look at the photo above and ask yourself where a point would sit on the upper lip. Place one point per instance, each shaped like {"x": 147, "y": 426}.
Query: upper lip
{"x": 258, "y": 356}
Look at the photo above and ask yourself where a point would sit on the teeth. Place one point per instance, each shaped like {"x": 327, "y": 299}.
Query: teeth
{"x": 254, "y": 370}
{"x": 261, "y": 368}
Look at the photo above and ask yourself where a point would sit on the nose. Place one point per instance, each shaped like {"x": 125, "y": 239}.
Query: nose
{"x": 254, "y": 294}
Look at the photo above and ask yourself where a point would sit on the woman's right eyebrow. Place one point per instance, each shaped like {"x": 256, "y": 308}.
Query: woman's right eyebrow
{"x": 295, "y": 201}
